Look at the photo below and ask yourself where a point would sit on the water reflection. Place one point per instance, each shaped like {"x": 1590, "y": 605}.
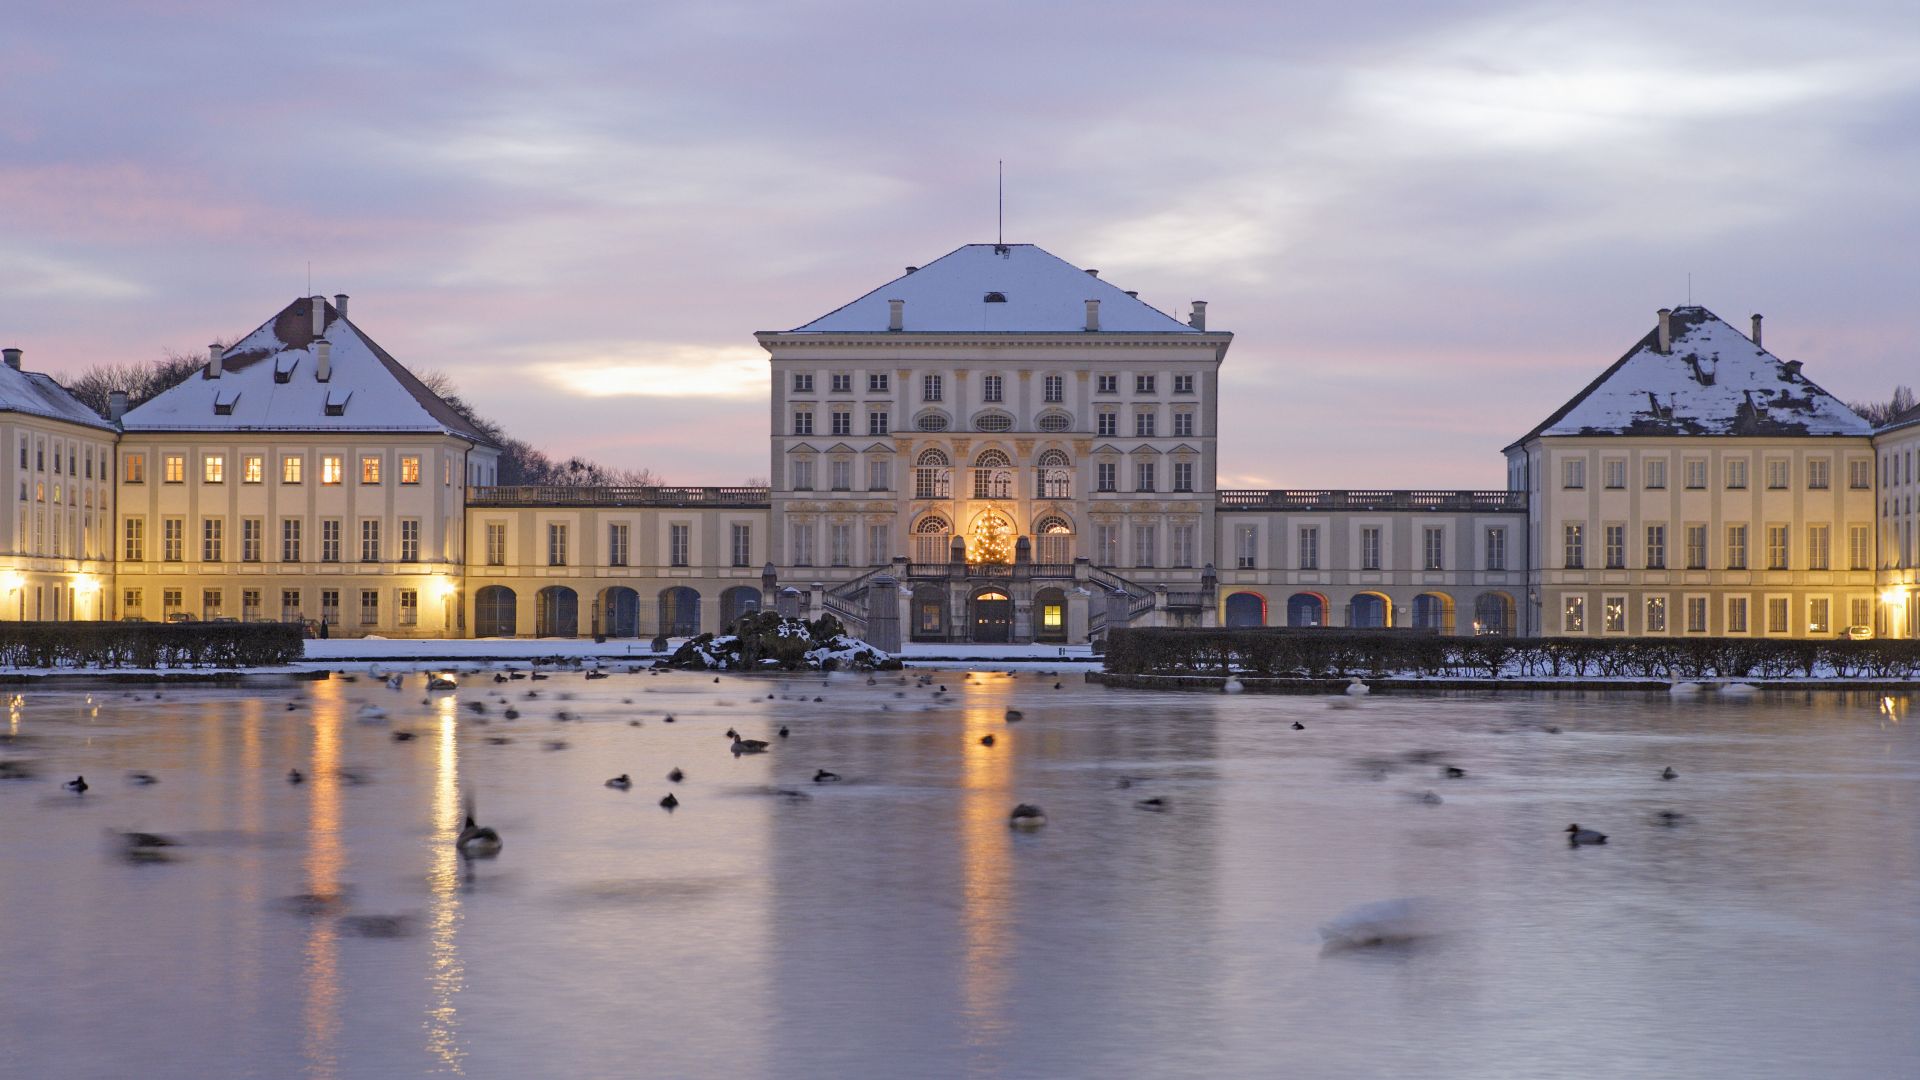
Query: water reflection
{"x": 443, "y": 917}
{"x": 325, "y": 862}
{"x": 985, "y": 841}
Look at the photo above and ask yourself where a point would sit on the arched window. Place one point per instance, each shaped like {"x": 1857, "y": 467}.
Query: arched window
{"x": 990, "y": 459}
{"x": 931, "y": 457}
{"x": 932, "y": 478}
{"x": 993, "y": 475}
{"x": 931, "y": 421}
{"x": 1054, "y": 478}
{"x": 931, "y": 535}
{"x": 1053, "y": 541}
{"x": 1053, "y": 457}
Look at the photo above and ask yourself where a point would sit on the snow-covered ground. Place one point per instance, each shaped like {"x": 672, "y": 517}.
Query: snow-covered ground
{"x": 341, "y": 652}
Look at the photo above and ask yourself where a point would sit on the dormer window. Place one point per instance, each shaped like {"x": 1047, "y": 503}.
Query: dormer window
{"x": 283, "y": 366}
{"x": 337, "y": 402}
{"x": 223, "y": 402}
{"x": 994, "y": 298}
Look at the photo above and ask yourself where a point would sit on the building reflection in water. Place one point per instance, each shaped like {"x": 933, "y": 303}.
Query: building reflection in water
{"x": 443, "y": 918}
{"x": 985, "y": 848}
{"x": 326, "y": 860}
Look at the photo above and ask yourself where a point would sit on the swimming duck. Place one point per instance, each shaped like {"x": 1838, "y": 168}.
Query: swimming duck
{"x": 144, "y": 847}
{"x": 77, "y": 785}
{"x": 1356, "y": 688}
{"x": 669, "y": 802}
{"x": 1669, "y": 818}
{"x": 1015, "y": 714}
{"x": 825, "y": 777}
{"x": 596, "y": 675}
{"x": 371, "y": 713}
{"x": 1027, "y": 816}
{"x": 1298, "y": 726}
{"x": 143, "y": 778}
{"x": 1056, "y": 686}
{"x": 1577, "y": 836}
{"x": 986, "y": 740}
{"x": 676, "y": 775}
{"x": 748, "y": 746}
{"x": 512, "y": 713}
{"x": 1668, "y": 774}
{"x": 620, "y": 783}
{"x": 497, "y": 677}
{"x": 294, "y": 777}
{"x": 477, "y": 841}
{"x": 537, "y": 676}
{"x": 1156, "y": 804}
{"x": 783, "y": 731}
{"x": 1231, "y": 686}
{"x": 1454, "y": 772}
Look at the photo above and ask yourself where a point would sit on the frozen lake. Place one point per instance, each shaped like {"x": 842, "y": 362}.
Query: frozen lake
{"x": 892, "y": 925}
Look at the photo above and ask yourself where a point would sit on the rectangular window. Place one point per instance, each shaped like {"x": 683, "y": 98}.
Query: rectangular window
{"x": 1696, "y": 614}
{"x": 1737, "y": 474}
{"x": 679, "y": 544}
{"x": 841, "y": 472}
{"x": 1696, "y": 547}
{"x": 1615, "y": 539}
{"x": 1656, "y": 473}
{"x": 1860, "y": 475}
{"x": 1737, "y": 615}
{"x": 992, "y": 388}
{"x": 1143, "y": 384}
{"x": 802, "y": 382}
{"x": 803, "y": 421}
{"x": 1573, "y": 546}
{"x": 1144, "y": 543}
{"x": 1309, "y": 546}
{"x": 1183, "y": 540}
{"x": 1819, "y": 615}
{"x": 1819, "y": 474}
{"x": 1656, "y": 547}
{"x": 176, "y": 469}
{"x": 410, "y": 469}
{"x": 409, "y": 539}
{"x": 289, "y": 539}
{"x": 135, "y": 468}
{"x": 802, "y": 533}
{"x": 330, "y": 540}
{"x": 369, "y": 607}
{"x": 1108, "y": 384}
{"x": 1862, "y": 611}
{"x": 331, "y": 469}
{"x": 1613, "y": 473}
{"x": 879, "y": 474}
{"x": 1696, "y": 474}
{"x": 210, "y": 604}
{"x": 409, "y": 607}
{"x": 1106, "y": 543}
{"x": 1573, "y": 473}
{"x": 330, "y": 606}
{"x": 496, "y": 543}
{"x": 1777, "y": 615}
{"x": 1496, "y": 549}
{"x": 370, "y": 540}
{"x": 369, "y": 469}
{"x": 841, "y": 422}
{"x": 1183, "y": 425}
{"x": 1053, "y": 389}
{"x": 130, "y": 603}
{"x": 878, "y": 421}
{"x": 1104, "y": 476}
{"x": 1736, "y": 547}
{"x": 291, "y": 468}
{"x": 1183, "y": 384}
{"x": 1183, "y": 476}
{"x": 742, "y": 544}
{"x": 1108, "y": 423}
{"x": 1370, "y": 548}
{"x": 616, "y": 545}
{"x": 253, "y": 537}
{"x": 1143, "y": 476}
{"x": 877, "y": 383}
{"x": 136, "y": 539}
{"x": 1143, "y": 425}
{"x": 1246, "y": 547}
{"x": 1777, "y": 470}
{"x": 840, "y": 544}
{"x": 1573, "y": 617}
{"x": 802, "y": 474}
{"x": 1859, "y": 547}
{"x": 1434, "y": 548}
{"x": 556, "y": 544}
{"x": 1656, "y": 614}
{"x": 1819, "y": 547}
{"x": 878, "y": 544}
{"x": 840, "y": 383}
{"x": 253, "y": 469}
{"x": 1614, "y": 615}
{"x": 250, "y": 604}
{"x": 172, "y": 600}
{"x": 932, "y": 387}
{"x": 1776, "y": 547}
{"x": 212, "y": 539}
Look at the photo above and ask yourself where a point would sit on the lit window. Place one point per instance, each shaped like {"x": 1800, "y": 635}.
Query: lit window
{"x": 370, "y": 470}
{"x": 410, "y": 470}
{"x": 290, "y": 469}
{"x": 136, "y": 468}
{"x": 331, "y": 470}
{"x": 253, "y": 469}
{"x": 176, "y": 469}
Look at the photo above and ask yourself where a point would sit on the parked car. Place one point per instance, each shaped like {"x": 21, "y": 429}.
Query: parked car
{"x": 181, "y": 616}
{"x": 1858, "y": 633}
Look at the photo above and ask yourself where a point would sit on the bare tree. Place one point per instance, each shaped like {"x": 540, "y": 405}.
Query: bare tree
{"x": 94, "y": 387}
{"x": 1879, "y": 413}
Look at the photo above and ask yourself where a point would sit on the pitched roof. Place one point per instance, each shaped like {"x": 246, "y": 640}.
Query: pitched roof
{"x": 368, "y": 390}
{"x": 35, "y": 394}
{"x": 1712, "y": 381}
{"x": 1039, "y": 291}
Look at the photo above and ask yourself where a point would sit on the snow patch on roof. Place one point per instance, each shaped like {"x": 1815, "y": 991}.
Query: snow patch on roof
{"x": 35, "y": 394}
{"x": 1042, "y": 293}
{"x": 1713, "y": 381}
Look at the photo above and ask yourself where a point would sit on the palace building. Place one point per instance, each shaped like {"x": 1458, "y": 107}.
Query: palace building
{"x": 994, "y": 447}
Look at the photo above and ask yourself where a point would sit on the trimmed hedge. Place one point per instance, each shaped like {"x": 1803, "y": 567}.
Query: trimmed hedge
{"x": 108, "y": 645}
{"x": 1271, "y": 653}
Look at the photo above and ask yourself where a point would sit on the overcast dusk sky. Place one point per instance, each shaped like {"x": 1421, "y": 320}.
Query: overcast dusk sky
{"x": 1427, "y": 223}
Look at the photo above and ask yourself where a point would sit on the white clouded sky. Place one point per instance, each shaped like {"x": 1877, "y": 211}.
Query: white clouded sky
{"x": 1427, "y": 223}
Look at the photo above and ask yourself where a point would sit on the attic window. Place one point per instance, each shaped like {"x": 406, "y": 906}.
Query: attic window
{"x": 283, "y": 366}
{"x": 223, "y": 402}
{"x": 337, "y": 402}
{"x": 994, "y": 298}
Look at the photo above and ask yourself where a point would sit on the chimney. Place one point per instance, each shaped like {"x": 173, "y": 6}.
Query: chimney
{"x": 340, "y": 304}
{"x": 116, "y": 405}
{"x": 13, "y": 357}
{"x": 1093, "y": 273}
{"x": 1756, "y": 331}
{"x": 319, "y": 306}
{"x": 913, "y": 269}
{"x": 1666, "y": 330}
{"x": 1198, "y": 320}
{"x": 1792, "y": 367}
{"x": 323, "y": 364}
{"x": 214, "y": 356}
{"x": 1093, "y": 315}
{"x": 896, "y": 314}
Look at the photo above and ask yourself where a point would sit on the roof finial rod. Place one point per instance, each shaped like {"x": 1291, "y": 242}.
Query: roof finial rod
{"x": 1000, "y": 232}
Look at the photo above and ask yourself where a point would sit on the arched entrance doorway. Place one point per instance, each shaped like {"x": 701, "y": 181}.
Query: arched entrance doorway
{"x": 1246, "y": 609}
{"x": 1433, "y": 611}
{"x": 990, "y": 614}
{"x": 736, "y": 602}
{"x": 620, "y": 612}
{"x": 1306, "y": 609}
{"x": 494, "y": 613}
{"x": 1493, "y": 614}
{"x": 929, "y": 613}
{"x": 1368, "y": 611}
{"x": 558, "y": 613}
{"x": 1050, "y": 615}
{"x": 679, "y": 611}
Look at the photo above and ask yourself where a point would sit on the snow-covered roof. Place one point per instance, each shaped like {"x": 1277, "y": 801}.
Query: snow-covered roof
{"x": 39, "y": 395}
{"x": 1712, "y": 381}
{"x": 269, "y": 382}
{"x": 1037, "y": 292}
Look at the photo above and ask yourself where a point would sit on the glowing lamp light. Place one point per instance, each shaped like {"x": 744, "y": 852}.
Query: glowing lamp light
{"x": 12, "y": 581}
{"x": 86, "y": 583}
{"x": 1892, "y": 596}
{"x": 443, "y": 587}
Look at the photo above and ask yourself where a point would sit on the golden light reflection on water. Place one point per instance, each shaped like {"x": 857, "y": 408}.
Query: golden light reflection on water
{"x": 986, "y": 847}
{"x": 325, "y": 862}
{"x": 443, "y": 918}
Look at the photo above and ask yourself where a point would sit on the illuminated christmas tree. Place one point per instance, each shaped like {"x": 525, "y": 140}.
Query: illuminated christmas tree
{"x": 993, "y": 539}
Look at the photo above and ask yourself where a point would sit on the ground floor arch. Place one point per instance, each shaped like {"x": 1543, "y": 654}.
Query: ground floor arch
{"x": 1050, "y": 615}
{"x": 1368, "y": 611}
{"x": 1433, "y": 611}
{"x": 494, "y": 612}
{"x": 557, "y": 611}
{"x": 1246, "y": 609}
{"x": 619, "y": 612}
{"x": 1493, "y": 614}
{"x": 735, "y": 602}
{"x": 1306, "y": 609}
{"x": 990, "y": 613}
{"x": 680, "y": 611}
